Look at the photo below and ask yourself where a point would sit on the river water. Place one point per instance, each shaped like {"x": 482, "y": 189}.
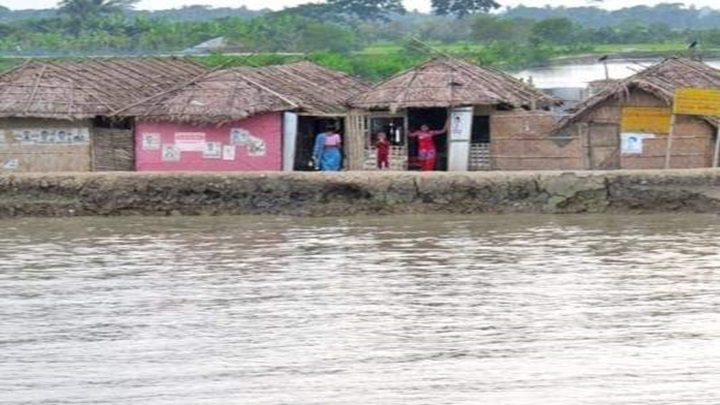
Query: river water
{"x": 579, "y": 75}
{"x": 399, "y": 310}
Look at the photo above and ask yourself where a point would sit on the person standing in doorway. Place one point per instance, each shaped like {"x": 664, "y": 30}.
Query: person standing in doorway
{"x": 427, "y": 153}
{"x": 327, "y": 151}
{"x": 383, "y": 151}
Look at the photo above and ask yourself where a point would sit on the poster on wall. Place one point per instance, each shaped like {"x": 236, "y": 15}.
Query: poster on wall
{"x": 52, "y": 136}
{"x": 461, "y": 123}
{"x": 254, "y": 145}
{"x": 190, "y": 141}
{"x": 213, "y": 150}
{"x": 631, "y": 143}
{"x": 150, "y": 141}
{"x": 228, "y": 152}
{"x": 170, "y": 153}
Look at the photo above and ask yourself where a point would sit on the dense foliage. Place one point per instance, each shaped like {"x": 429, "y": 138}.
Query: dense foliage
{"x": 374, "y": 38}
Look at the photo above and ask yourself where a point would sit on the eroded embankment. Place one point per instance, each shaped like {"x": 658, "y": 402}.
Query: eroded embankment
{"x": 352, "y": 193}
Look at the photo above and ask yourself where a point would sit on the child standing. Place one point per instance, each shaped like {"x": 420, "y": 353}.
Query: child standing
{"x": 383, "y": 151}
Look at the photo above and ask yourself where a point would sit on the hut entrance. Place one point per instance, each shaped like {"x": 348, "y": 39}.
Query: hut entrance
{"x": 308, "y": 127}
{"x": 434, "y": 118}
{"x": 603, "y": 146}
{"x": 113, "y": 145}
{"x": 480, "y": 143}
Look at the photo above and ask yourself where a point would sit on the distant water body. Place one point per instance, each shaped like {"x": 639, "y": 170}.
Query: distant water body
{"x": 579, "y": 75}
{"x": 441, "y": 310}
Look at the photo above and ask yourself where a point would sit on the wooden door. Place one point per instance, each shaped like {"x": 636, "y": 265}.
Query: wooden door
{"x": 604, "y": 146}
{"x": 113, "y": 150}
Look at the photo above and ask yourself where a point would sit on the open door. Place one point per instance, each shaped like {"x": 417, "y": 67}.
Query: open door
{"x": 459, "y": 136}
{"x": 434, "y": 118}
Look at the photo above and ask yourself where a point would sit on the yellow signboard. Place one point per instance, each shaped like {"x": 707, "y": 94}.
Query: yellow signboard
{"x": 691, "y": 101}
{"x": 646, "y": 120}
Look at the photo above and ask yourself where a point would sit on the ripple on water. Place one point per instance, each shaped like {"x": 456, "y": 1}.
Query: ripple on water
{"x": 515, "y": 310}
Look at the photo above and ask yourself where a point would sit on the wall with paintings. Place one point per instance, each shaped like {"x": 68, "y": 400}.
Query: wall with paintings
{"x": 253, "y": 144}
{"x": 35, "y": 145}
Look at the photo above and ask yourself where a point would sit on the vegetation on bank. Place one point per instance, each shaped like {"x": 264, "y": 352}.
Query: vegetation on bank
{"x": 369, "y": 38}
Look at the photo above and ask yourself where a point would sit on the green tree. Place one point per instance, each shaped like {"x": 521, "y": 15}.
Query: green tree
{"x": 342, "y": 9}
{"x": 461, "y": 8}
{"x": 489, "y": 28}
{"x": 554, "y": 30}
{"x": 367, "y": 9}
{"x": 319, "y": 36}
{"x": 92, "y": 8}
{"x": 80, "y": 11}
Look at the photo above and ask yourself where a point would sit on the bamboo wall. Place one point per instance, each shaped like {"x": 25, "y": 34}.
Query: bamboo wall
{"x": 356, "y": 131}
{"x": 18, "y": 155}
{"x": 692, "y": 144}
{"x": 520, "y": 140}
{"x": 113, "y": 150}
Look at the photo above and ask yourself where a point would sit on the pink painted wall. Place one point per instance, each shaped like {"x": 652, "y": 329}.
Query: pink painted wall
{"x": 267, "y": 128}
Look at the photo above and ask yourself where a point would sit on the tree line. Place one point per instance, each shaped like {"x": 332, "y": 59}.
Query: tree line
{"x": 373, "y": 38}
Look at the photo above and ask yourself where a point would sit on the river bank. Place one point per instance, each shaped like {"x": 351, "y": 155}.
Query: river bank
{"x": 357, "y": 193}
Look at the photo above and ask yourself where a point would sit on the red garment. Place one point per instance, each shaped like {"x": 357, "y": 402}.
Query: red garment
{"x": 383, "y": 154}
{"x": 426, "y": 149}
{"x": 425, "y": 139}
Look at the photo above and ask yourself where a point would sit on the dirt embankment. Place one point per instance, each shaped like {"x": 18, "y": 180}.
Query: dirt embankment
{"x": 354, "y": 193}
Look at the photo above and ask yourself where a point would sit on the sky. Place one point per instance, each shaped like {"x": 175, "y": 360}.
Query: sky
{"x": 422, "y": 5}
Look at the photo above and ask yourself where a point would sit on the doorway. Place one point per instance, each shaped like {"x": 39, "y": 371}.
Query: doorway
{"x": 603, "y": 146}
{"x": 308, "y": 128}
{"x": 434, "y": 118}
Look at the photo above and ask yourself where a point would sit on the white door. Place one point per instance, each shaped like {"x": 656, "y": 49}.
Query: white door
{"x": 459, "y": 139}
{"x": 290, "y": 126}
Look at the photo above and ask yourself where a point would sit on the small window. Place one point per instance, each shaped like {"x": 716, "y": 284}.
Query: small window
{"x": 394, "y": 127}
{"x": 481, "y": 129}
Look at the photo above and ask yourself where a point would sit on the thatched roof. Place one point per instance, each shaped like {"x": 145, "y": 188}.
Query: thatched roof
{"x": 447, "y": 82}
{"x": 87, "y": 88}
{"x": 660, "y": 80}
{"x": 216, "y": 98}
{"x": 316, "y": 90}
{"x": 235, "y": 94}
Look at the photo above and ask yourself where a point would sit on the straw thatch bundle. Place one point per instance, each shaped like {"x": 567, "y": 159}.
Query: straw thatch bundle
{"x": 216, "y": 98}
{"x": 447, "y": 82}
{"x": 73, "y": 90}
{"x": 316, "y": 90}
{"x": 661, "y": 80}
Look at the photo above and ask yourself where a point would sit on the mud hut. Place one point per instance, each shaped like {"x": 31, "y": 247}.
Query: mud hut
{"x": 494, "y": 117}
{"x": 281, "y": 107}
{"x": 223, "y": 121}
{"x": 626, "y": 125}
{"x": 54, "y": 114}
{"x": 321, "y": 96}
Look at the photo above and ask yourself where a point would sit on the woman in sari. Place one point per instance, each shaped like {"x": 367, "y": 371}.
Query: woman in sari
{"x": 427, "y": 153}
{"x": 326, "y": 152}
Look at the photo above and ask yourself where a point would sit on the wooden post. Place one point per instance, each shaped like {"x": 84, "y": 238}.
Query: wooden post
{"x": 717, "y": 147}
{"x": 668, "y": 146}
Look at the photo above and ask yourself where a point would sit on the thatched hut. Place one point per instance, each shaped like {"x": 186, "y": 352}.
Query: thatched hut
{"x": 53, "y": 114}
{"x": 281, "y": 107}
{"x": 626, "y": 124}
{"x": 492, "y": 114}
{"x": 321, "y": 96}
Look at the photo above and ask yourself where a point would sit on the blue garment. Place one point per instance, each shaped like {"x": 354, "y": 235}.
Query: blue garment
{"x": 326, "y": 159}
{"x": 331, "y": 160}
{"x": 318, "y": 149}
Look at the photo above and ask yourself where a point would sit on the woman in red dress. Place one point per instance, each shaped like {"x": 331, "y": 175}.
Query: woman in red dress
{"x": 427, "y": 153}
